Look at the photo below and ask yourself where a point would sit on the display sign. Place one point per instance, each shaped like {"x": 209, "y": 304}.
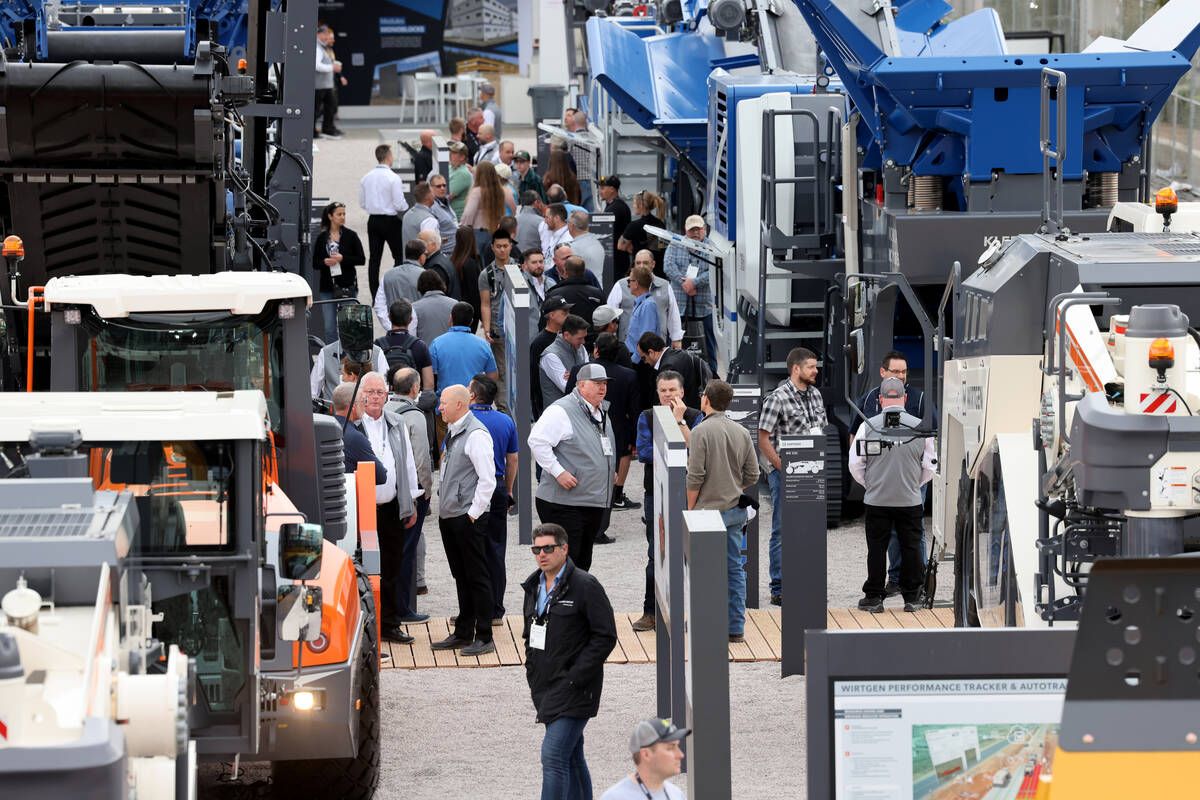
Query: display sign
{"x": 804, "y": 554}
{"x": 514, "y": 315}
{"x": 602, "y": 225}
{"x": 960, "y": 738}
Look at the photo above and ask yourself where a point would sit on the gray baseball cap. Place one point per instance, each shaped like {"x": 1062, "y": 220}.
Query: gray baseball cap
{"x": 650, "y": 732}
{"x": 603, "y": 315}
{"x": 891, "y": 388}
{"x": 591, "y": 372}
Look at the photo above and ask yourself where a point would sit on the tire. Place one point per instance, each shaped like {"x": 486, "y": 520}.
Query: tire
{"x": 352, "y": 778}
{"x": 833, "y": 477}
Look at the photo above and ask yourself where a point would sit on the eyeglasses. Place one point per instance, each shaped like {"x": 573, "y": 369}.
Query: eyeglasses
{"x": 896, "y": 371}
{"x": 544, "y": 548}
{"x": 438, "y": 185}
{"x": 373, "y": 392}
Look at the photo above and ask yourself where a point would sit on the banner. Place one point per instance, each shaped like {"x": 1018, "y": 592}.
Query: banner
{"x": 383, "y": 43}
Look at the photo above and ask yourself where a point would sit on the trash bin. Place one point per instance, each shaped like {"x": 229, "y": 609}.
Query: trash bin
{"x": 547, "y": 101}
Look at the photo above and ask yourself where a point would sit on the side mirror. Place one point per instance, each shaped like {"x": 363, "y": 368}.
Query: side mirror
{"x": 356, "y": 330}
{"x": 300, "y": 546}
{"x": 856, "y": 351}
{"x": 298, "y": 609}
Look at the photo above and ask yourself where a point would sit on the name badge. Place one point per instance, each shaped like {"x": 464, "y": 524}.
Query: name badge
{"x": 537, "y": 636}
{"x": 336, "y": 271}
{"x": 606, "y": 443}
{"x": 693, "y": 272}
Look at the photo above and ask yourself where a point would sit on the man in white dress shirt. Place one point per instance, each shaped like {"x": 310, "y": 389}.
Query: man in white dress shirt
{"x": 381, "y": 195}
{"x": 468, "y": 478}
{"x": 395, "y": 511}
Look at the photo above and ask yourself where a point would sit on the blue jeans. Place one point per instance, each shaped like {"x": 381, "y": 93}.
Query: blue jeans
{"x": 710, "y": 338}
{"x": 735, "y": 529}
{"x": 565, "y": 773}
{"x": 775, "y": 549}
{"x": 893, "y": 550}
{"x": 328, "y": 313}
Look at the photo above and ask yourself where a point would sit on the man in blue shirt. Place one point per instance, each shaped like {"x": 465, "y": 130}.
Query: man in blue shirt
{"x": 895, "y": 365}
{"x": 504, "y": 442}
{"x": 459, "y": 355}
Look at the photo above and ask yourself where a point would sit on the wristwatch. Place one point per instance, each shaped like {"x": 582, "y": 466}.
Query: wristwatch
{"x": 682, "y": 424}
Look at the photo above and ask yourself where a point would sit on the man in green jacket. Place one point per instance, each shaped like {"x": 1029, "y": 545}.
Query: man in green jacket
{"x": 530, "y": 180}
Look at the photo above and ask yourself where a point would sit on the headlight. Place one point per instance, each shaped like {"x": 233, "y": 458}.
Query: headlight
{"x": 308, "y": 700}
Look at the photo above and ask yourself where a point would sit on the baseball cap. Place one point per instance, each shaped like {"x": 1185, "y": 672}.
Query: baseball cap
{"x": 891, "y": 388}
{"x": 457, "y": 147}
{"x": 591, "y": 372}
{"x": 556, "y": 303}
{"x": 650, "y": 732}
{"x": 603, "y": 315}
{"x": 694, "y": 221}
{"x": 611, "y": 180}
{"x": 521, "y": 155}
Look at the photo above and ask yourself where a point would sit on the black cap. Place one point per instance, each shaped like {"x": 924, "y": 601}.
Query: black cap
{"x": 556, "y": 303}
{"x": 611, "y": 180}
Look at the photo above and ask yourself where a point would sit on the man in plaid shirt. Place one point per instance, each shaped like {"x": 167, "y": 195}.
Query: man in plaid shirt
{"x": 688, "y": 274}
{"x": 794, "y": 407}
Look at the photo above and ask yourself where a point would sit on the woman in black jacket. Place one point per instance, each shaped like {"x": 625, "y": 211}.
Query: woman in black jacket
{"x": 465, "y": 259}
{"x": 650, "y": 210}
{"x": 337, "y": 254}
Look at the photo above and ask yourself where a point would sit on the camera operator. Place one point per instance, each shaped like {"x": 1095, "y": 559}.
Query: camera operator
{"x": 892, "y": 460}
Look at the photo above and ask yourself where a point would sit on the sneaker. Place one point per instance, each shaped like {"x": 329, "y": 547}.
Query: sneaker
{"x": 422, "y": 590}
{"x": 478, "y": 648}
{"x": 498, "y": 622}
{"x": 334, "y": 135}
{"x": 872, "y": 604}
{"x": 602, "y": 538}
{"x": 644, "y": 623}
{"x": 777, "y": 599}
{"x": 737, "y": 637}
{"x": 911, "y": 607}
{"x": 414, "y": 619}
{"x": 892, "y": 589}
{"x": 624, "y": 503}
{"x": 317, "y": 135}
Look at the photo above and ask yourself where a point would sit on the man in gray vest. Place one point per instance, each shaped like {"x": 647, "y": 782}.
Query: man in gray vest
{"x": 574, "y": 445}
{"x": 892, "y": 462}
{"x": 401, "y": 281}
{"x": 433, "y": 309}
{"x": 447, "y": 219}
{"x": 489, "y": 107}
{"x": 565, "y": 352}
{"x": 419, "y": 216}
{"x": 395, "y": 511}
{"x": 640, "y": 281}
{"x": 464, "y": 499}
{"x": 418, "y": 420}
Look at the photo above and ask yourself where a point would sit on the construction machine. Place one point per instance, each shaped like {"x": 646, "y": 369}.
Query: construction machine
{"x": 164, "y": 601}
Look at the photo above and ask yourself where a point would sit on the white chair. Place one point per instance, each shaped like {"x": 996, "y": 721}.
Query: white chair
{"x": 465, "y": 94}
{"x": 428, "y": 90}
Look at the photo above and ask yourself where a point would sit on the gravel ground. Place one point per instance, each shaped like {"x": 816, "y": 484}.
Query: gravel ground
{"x": 453, "y": 731}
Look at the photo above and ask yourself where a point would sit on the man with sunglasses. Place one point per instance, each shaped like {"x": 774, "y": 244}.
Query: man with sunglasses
{"x": 569, "y": 631}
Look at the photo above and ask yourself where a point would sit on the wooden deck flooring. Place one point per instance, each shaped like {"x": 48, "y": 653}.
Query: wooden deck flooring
{"x": 762, "y": 638}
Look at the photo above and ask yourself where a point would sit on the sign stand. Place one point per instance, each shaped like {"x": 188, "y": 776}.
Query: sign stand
{"x": 670, "y": 498}
{"x": 804, "y": 553}
{"x": 706, "y": 676}
{"x": 514, "y": 312}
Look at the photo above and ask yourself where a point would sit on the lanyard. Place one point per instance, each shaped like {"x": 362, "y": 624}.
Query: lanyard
{"x": 646, "y": 791}
{"x": 600, "y": 424}
{"x": 551, "y": 597}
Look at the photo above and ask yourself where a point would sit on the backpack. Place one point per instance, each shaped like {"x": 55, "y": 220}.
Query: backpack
{"x": 397, "y": 355}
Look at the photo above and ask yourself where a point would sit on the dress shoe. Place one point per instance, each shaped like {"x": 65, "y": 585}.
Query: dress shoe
{"x": 602, "y": 538}
{"x": 414, "y": 619}
{"x": 644, "y": 623}
{"x": 737, "y": 637}
{"x": 394, "y": 634}
{"x": 450, "y": 643}
{"x": 422, "y": 590}
{"x": 776, "y": 599}
{"x": 478, "y": 648}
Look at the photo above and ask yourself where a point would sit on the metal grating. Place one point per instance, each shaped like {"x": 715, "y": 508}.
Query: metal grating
{"x": 47, "y": 524}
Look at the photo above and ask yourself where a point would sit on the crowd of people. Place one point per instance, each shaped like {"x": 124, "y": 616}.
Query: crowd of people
{"x": 431, "y": 398}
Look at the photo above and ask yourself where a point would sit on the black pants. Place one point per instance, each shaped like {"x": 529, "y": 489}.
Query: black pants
{"x": 325, "y": 108}
{"x": 382, "y": 228}
{"x": 496, "y": 544}
{"x": 464, "y": 543}
{"x": 648, "y": 603}
{"x": 581, "y": 523}
{"x": 391, "y": 559}
{"x": 408, "y": 560}
{"x": 879, "y": 523}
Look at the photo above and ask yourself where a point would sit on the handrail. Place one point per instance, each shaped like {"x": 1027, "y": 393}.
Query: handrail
{"x": 1082, "y": 298}
{"x": 1053, "y": 224}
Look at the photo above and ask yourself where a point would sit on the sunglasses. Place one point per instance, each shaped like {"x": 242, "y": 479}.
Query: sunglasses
{"x": 544, "y": 548}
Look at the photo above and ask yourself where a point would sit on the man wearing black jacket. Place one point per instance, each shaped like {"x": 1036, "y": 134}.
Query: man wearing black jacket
{"x": 657, "y": 356}
{"x": 575, "y": 288}
{"x": 569, "y": 631}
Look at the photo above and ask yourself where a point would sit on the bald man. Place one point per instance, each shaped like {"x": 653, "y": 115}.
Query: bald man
{"x": 468, "y": 478}
{"x": 423, "y": 160}
{"x": 489, "y": 148}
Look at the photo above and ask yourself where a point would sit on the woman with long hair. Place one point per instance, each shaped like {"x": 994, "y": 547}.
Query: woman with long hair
{"x": 559, "y": 171}
{"x": 465, "y": 259}
{"x": 487, "y": 202}
{"x": 337, "y": 254}
{"x": 649, "y": 209}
